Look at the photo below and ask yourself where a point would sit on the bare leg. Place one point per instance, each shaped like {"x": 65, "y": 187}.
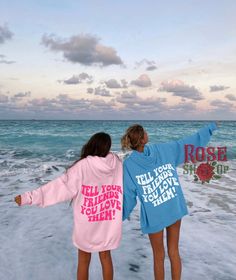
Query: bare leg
{"x": 156, "y": 240}
{"x": 107, "y": 266}
{"x": 173, "y": 232}
{"x": 83, "y": 265}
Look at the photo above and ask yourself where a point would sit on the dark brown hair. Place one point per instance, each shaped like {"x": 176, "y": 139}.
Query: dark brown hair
{"x": 98, "y": 145}
{"x": 131, "y": 140}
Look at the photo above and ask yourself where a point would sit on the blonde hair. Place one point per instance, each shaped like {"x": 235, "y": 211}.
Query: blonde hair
{"x": 131, "y": 140}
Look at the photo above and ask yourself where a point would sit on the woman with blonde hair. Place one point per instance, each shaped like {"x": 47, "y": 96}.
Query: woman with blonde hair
{"x": 149, "y": 172}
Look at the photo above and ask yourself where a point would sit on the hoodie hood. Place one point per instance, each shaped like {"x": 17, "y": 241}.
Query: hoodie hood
{"x": 103, "y": 165}
{"x": 147, "y": 157}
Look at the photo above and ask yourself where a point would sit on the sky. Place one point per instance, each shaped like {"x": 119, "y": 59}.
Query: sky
{"x": 152, "y": 59}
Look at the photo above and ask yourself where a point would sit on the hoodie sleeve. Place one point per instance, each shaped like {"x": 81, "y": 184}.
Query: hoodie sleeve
{"x": 130, "y": 194}
{"x": 176, "y": 148}
{"x": 58, "y": 190}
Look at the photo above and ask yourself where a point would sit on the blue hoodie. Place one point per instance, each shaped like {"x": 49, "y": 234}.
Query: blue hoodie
{"x": 152, "y": 176}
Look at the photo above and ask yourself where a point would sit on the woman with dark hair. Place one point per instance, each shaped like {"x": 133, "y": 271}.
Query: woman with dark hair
{"x": 94, "y": 183}
{"x": 150, "y": 173}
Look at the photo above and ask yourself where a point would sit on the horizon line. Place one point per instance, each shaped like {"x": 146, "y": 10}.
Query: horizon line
{"x": 108, "y": 120}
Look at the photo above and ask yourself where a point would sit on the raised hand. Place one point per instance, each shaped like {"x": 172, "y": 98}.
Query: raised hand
{"x": 18, "y": 200}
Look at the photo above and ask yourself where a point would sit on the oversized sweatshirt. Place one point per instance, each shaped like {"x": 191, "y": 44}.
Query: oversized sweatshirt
{"x": 95, "y": 185}
{"x": 151, "y": 176}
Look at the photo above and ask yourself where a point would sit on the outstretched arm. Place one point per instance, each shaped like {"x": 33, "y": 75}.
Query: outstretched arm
{"x": 201, "y": 138}
{"x": 60, "y": 189}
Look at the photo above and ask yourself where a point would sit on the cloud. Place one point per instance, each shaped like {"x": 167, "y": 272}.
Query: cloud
{"x": 183, "y": 107}
{"x": 124, "y": 83}
{"x": 127, "y": 97}
{"x": 3, "y": 98}
{"x": 40, "y": 102}
{"x": 61, "y": 103}
{"x": 84, "y": 49}
{"x": 78, "y": 79}
{"x": 127, "y": 105}
{"x": 102, "y": 106}
{"x": 102, "y": 91}
{"x": 151, "y": 64}
{"x": 99, "y": 91}
{"x": 218, "y": 88}
{"x": 83, "y": 104}
{"x": 4, "y": 61}
{"x": 178, "y": 88}
{"x": 222, "y": 110}
{"x": 221, "y": 104}
{"x": 64, "y": 107}
{"x": 23, "y": 94}
{"x": 142, "y": 81}
{"x": 5, "y": 34}
{"x": 138, "y": 108}
{"x": 89, "y": 90}
{"x": 133, "y": 103}
{"x": 151, "y": 68}
{"x": 113, "y": 83}
{"x": 231, "y": 97}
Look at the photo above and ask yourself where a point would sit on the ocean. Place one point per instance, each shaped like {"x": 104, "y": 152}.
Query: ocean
{"x": 36, "y": 243}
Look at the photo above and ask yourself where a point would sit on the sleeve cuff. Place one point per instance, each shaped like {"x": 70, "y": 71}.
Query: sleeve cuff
{"x": 26, "y": 199}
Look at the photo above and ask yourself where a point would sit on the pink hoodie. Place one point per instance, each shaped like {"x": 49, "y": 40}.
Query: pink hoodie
{"x": 96, "y": 187}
